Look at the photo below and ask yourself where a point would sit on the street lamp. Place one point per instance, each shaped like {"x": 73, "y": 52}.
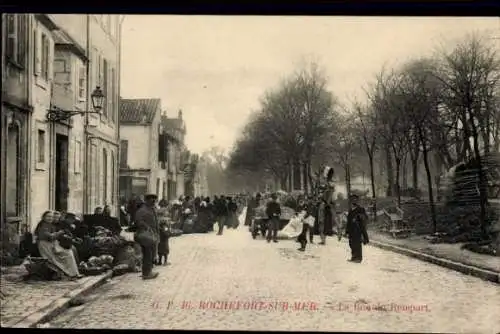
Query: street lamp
{"x": 55, "y": 114}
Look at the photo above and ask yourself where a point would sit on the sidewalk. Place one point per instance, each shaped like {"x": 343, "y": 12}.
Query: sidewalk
{"x": 446, "y": 255}
{"x": 26, "y": 304}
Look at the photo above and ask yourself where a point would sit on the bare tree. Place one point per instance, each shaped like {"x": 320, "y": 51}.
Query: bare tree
{"x": 421, "y": 98}
{"x": 470, "y": 75}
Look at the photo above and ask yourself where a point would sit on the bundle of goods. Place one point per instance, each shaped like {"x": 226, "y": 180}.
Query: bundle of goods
{"x": 39, "y": 268}
{"x": 188, "y": 226}
{"x": 128, "y": 259}
{"x": 96, "y": 265}
{"x": 107, "y": 243}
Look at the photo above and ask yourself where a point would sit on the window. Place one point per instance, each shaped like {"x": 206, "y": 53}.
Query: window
{"x": 105, "y": 109}
{"x": 35, "y": 51}
{"x": 81, "y": 83}
{"x": 41, "y": 147}
{"x": 45, "y": 56}
{"x": 15, "y": 48}
{"x": 78, "y": 157}
{"x": 10, "y": 48}
{"x": 105, "y": 176}
{"x": 13, "y": 171}
{"x": 99, "y": 69}
{"x": 123, "y": 153}
{"x": 113, "y": 96}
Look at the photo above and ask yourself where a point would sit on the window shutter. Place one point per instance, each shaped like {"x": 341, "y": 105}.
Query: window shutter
{"x": 109, "y": 97}
{"x": 11, "y": 47}
{"x": 81, "y": 83}
{"x": 101, "y": 66}
{"x": 38, "y": 52}
{"x": 50, "y": 60}
{"x": 113, "y": 95}
{"x": 123, "y": 153}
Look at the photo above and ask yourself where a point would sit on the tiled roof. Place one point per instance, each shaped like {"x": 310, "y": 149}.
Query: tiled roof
{"x": 139, "y": 111}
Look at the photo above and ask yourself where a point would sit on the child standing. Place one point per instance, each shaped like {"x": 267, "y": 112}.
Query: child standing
{"x": 163, "y": 246}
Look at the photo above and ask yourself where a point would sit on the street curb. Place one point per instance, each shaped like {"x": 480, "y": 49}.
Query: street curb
{"x": 484, "y": 274}
{"x": 56, "y": 307}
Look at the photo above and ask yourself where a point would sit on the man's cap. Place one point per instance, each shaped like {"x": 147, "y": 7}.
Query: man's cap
{"x": 354, "y": 196}
{"x": 150, "y": 196}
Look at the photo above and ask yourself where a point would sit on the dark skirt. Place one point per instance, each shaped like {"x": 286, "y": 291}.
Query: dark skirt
{"x": 163, "y": 247}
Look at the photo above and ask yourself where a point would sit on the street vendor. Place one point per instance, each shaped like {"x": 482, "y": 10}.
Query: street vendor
{"x": 61, "y": 259}
{"x": 147, "y": 235}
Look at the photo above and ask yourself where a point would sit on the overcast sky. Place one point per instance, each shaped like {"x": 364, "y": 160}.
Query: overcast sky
{"x": 216, "y": 67}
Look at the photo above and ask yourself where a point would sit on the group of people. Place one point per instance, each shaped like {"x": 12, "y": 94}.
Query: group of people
{"x": 322, "y": 209}
{"x": 59, "y": 238}
{"x": 152, "y": 222}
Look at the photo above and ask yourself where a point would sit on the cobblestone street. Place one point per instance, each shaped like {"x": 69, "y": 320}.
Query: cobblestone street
{"x": 313, "y": 291}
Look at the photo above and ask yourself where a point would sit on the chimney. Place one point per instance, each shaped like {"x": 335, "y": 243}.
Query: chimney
{"x": 180, "y": 114}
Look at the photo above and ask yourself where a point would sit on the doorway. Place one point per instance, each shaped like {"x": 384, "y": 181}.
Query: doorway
{"x": 61, "y": 177}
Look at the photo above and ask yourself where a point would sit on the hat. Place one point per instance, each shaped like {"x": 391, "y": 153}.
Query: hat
{"x": 150, "y": 196}
{"x": 354, "y": 196}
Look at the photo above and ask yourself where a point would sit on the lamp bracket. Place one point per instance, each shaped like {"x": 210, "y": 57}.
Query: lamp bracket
{"x": 57, "y": 115}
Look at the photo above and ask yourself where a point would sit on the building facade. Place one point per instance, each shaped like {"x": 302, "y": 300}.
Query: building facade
{"x": 142, "y": 167}
{"x": 57, "y": 156}
{"x": 175, "y": 131}
{"x": 103, "y": 131}
{"x": 16, "y": 109}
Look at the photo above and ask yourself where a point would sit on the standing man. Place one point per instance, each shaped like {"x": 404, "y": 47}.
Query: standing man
{"x": 356, "y": 229}
{"x": 147, "y": 235}
{"x": 222, "y": 213}
{"x": 273, "y": 212}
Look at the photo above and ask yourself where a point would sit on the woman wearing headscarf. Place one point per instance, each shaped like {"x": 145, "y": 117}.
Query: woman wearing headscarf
{"x": 48, "y": 242}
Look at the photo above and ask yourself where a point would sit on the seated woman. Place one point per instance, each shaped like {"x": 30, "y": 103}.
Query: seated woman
{"x": 62, "y": 260}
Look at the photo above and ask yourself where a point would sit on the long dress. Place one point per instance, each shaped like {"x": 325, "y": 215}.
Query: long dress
{"x": 49, "y": 248}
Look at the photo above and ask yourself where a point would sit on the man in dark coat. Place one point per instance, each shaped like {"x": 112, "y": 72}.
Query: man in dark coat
{"x": 221, "y": 211}
{"x": 356, "y": 229}
{"x": 147, "y": 221}
{"x": 252, "y": 205}
{"x": 273, "y": 212}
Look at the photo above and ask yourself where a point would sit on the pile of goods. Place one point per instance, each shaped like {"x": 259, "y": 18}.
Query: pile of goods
{"x": 106, "y": 242}
{"x": 128, "y": 259}
{"x": 96, "y": 265}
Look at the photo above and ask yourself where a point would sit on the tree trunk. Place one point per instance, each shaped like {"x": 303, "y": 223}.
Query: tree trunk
{"x": 348, "y": 183}
{"x": 405, "y": 172}
{"x": 414, "y": 165}
{"x": 390, "y": 170}
{"x": 397, "y": 185}
{"x": 372, "y": 178}
{"x": 429, "y": 185}
{"x": 483, "y": 186}
{"x": 305, "y": 177}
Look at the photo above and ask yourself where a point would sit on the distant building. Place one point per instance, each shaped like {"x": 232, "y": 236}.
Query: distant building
{"x": 142, "y": 167}
{"x": 175, "y": 132}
